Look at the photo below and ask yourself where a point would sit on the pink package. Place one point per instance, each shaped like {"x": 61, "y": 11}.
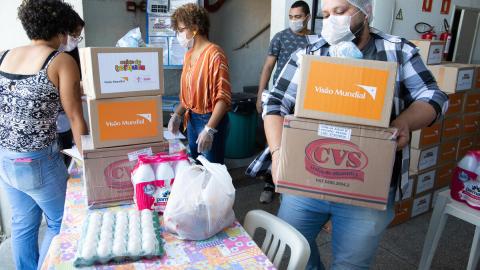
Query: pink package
{"x": 465, "y": 186}
{"x": 153, "y": 177}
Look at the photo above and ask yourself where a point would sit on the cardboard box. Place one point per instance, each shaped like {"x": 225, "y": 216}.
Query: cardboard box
{"x": 426, "y": 137}
{"x": 423, "y": 159}
{"x": 455, "y": 104}
{"x": 421, "y": 204}
{"x": 452, "y": 128}
{"x": 346, "y": 90}
{"x": 336, "y": 162}
{"x": 425, "y": 182}
{"x": 125, "y": 121}
{"x": 122, "y": 72}
{"x": 431, "y": 51}
{"x": 471, "y": 124}
{"x": 403, "y": 211}
{"x": 464, "y": 145}
{"x": 107, "y": 172}
{"x": 477, "y": 77}
{"x": 448, "y": 152}
{"x": 444, "y": 175}
{"x": 452, "y": 78}
{"x": 408, "y": 190}
{"x": 472, "y": 102}
{"x": 435, "y": 195}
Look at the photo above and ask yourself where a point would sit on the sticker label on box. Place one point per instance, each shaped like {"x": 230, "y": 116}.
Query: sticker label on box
{"x": 465, "y": 79}
{"x": 435, "y": 54}
{"x": 425, "y": 182}
{"x": 133, "y": 156}
{"x": 428, "y": 158}
{"x": 328, "y": 90}
{"x": 421, "y": 205}
{"x": 335, "y": 132}
{"x": 128, "y": 72}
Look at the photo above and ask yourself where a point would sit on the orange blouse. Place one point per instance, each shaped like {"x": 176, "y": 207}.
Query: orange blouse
{"x": 205, "y": 82}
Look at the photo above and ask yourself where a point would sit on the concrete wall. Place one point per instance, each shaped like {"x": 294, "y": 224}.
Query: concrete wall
{"x": 231, "y": 26}
{"x": 11, "y": 29}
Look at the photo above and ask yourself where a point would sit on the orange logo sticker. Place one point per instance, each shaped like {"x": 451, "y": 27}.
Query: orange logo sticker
{"x": 128, "y": 120}
{"x": 346, "y": 89}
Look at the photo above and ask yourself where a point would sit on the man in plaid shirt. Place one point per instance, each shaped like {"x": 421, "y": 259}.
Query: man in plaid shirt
{"x": 418, "y": 102}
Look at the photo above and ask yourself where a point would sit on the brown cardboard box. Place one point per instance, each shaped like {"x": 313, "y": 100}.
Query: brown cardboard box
{"x": 444, "y": 175}
{"x": 423, "y": 159}
{"x": 448, "y": 152}
{"x": 122, "y": 72}
{"x": 472, "y": 102}
{"x": 452, "y": 78}
{"x": 427, "y": 137}
{"x": 125, "y": 121}
{"x": 452, "y": 128}
{"x": 408, "y": 190}
{"x": 471, "y": 124}
{"x": 336, "y": 162}
{"x": 431, "y": 51}
{"x": 464, "y": 145}
{"x": 425, "y": 182}
{"x": 476, "y": 142}
{"x": 403, "y": 211}
{"x": 455, "y": 104}
{"x": 421, "y": 204}
{"x": 344, "y": 90}
{"x": 477, "y": 78}
{"x": 107, "y": 172}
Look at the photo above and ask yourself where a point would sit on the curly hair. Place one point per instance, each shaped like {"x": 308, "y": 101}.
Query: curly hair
{"x": 44, "y": 19}
{"x": 75, "y": 21}
{"x": 192, "y": 16}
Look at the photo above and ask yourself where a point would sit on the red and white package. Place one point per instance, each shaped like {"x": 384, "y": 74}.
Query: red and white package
{"x": 153, "y": 177}
{"x": 465, "y": 186}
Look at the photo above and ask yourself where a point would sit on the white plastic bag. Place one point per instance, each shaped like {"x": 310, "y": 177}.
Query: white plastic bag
{"x": 201, "y": 202}
{"x": 132, "y": 39}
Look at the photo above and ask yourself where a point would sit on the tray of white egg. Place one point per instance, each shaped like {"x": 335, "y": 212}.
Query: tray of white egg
{"x": 120, "y": 237}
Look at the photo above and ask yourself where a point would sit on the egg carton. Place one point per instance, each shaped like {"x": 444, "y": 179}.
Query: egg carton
{"x": 120, "y": 237}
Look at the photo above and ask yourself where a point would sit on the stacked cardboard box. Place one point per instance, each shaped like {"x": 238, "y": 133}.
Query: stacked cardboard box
{"x": 124, "y": 88}
{"x": 330, "y": 147}
{"x": 435, "y": 150}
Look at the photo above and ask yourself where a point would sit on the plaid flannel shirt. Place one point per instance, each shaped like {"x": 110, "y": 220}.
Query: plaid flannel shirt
{"x": 414, "y": 82}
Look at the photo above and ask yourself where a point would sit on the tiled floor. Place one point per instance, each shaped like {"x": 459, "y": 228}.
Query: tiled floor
{"x": 399, "y": 249}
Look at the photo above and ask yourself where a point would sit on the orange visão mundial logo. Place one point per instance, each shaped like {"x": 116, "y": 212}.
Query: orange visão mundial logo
{"x": 346, "y": 90}
{"x": 128, "y": 120}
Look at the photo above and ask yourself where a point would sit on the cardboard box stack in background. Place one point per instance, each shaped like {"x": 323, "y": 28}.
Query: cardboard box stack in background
{"x": 436, "y": 149}
{"x": 330, "y": 147}
{"x": 124, "y": 88}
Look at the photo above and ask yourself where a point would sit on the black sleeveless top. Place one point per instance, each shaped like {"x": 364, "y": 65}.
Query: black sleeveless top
{"x": 29, "y": 106}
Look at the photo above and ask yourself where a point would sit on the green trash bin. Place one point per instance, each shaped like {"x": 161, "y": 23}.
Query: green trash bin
{"x": 241, "y": 134}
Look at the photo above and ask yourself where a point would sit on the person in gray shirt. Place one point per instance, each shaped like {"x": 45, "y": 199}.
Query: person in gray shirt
{"x": 283, "y": 44}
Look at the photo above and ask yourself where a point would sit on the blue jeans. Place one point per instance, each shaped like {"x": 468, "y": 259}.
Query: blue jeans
{"x": 195, "y": 126}
{"x": 34, "y": 183}
{"x": 356, "y": 231}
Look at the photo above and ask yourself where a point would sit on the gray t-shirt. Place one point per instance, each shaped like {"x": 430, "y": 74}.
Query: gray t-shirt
{"x": 370, "y": 51}
{"x": 283, "y": 44}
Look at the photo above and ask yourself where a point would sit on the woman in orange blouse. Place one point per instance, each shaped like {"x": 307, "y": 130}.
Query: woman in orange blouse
{"x": 205, "y": 94}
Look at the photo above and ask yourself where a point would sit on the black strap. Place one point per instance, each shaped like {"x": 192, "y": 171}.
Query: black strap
{"x": 3, "y": 56}
{"x": 50, "y": 56}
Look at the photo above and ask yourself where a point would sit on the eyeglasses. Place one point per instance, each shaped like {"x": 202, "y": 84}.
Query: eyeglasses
{"x": 180, "y": 30}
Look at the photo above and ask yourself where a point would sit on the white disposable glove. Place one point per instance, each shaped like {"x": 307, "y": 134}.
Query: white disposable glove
{"x": 174, "y": 123}
{"x": 205, "y": 139}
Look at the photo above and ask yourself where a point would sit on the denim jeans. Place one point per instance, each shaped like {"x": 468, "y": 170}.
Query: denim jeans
{"x": 35, "y": 183}
{"x": 195, "y": 126}
{"x": 356, "y": 231}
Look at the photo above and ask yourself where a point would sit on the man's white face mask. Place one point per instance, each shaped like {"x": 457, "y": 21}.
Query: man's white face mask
{"x": 337, "y": 29}
{"x": 296, "y": 25}
{"x": 184, "y": 41}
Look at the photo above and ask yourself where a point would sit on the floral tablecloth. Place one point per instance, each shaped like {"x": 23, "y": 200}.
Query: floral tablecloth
{"x": 232, "y": 248}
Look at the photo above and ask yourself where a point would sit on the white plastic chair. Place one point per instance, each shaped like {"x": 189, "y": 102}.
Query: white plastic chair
{"x": 443, "y": 207}
{"x": 279, "y": 235}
